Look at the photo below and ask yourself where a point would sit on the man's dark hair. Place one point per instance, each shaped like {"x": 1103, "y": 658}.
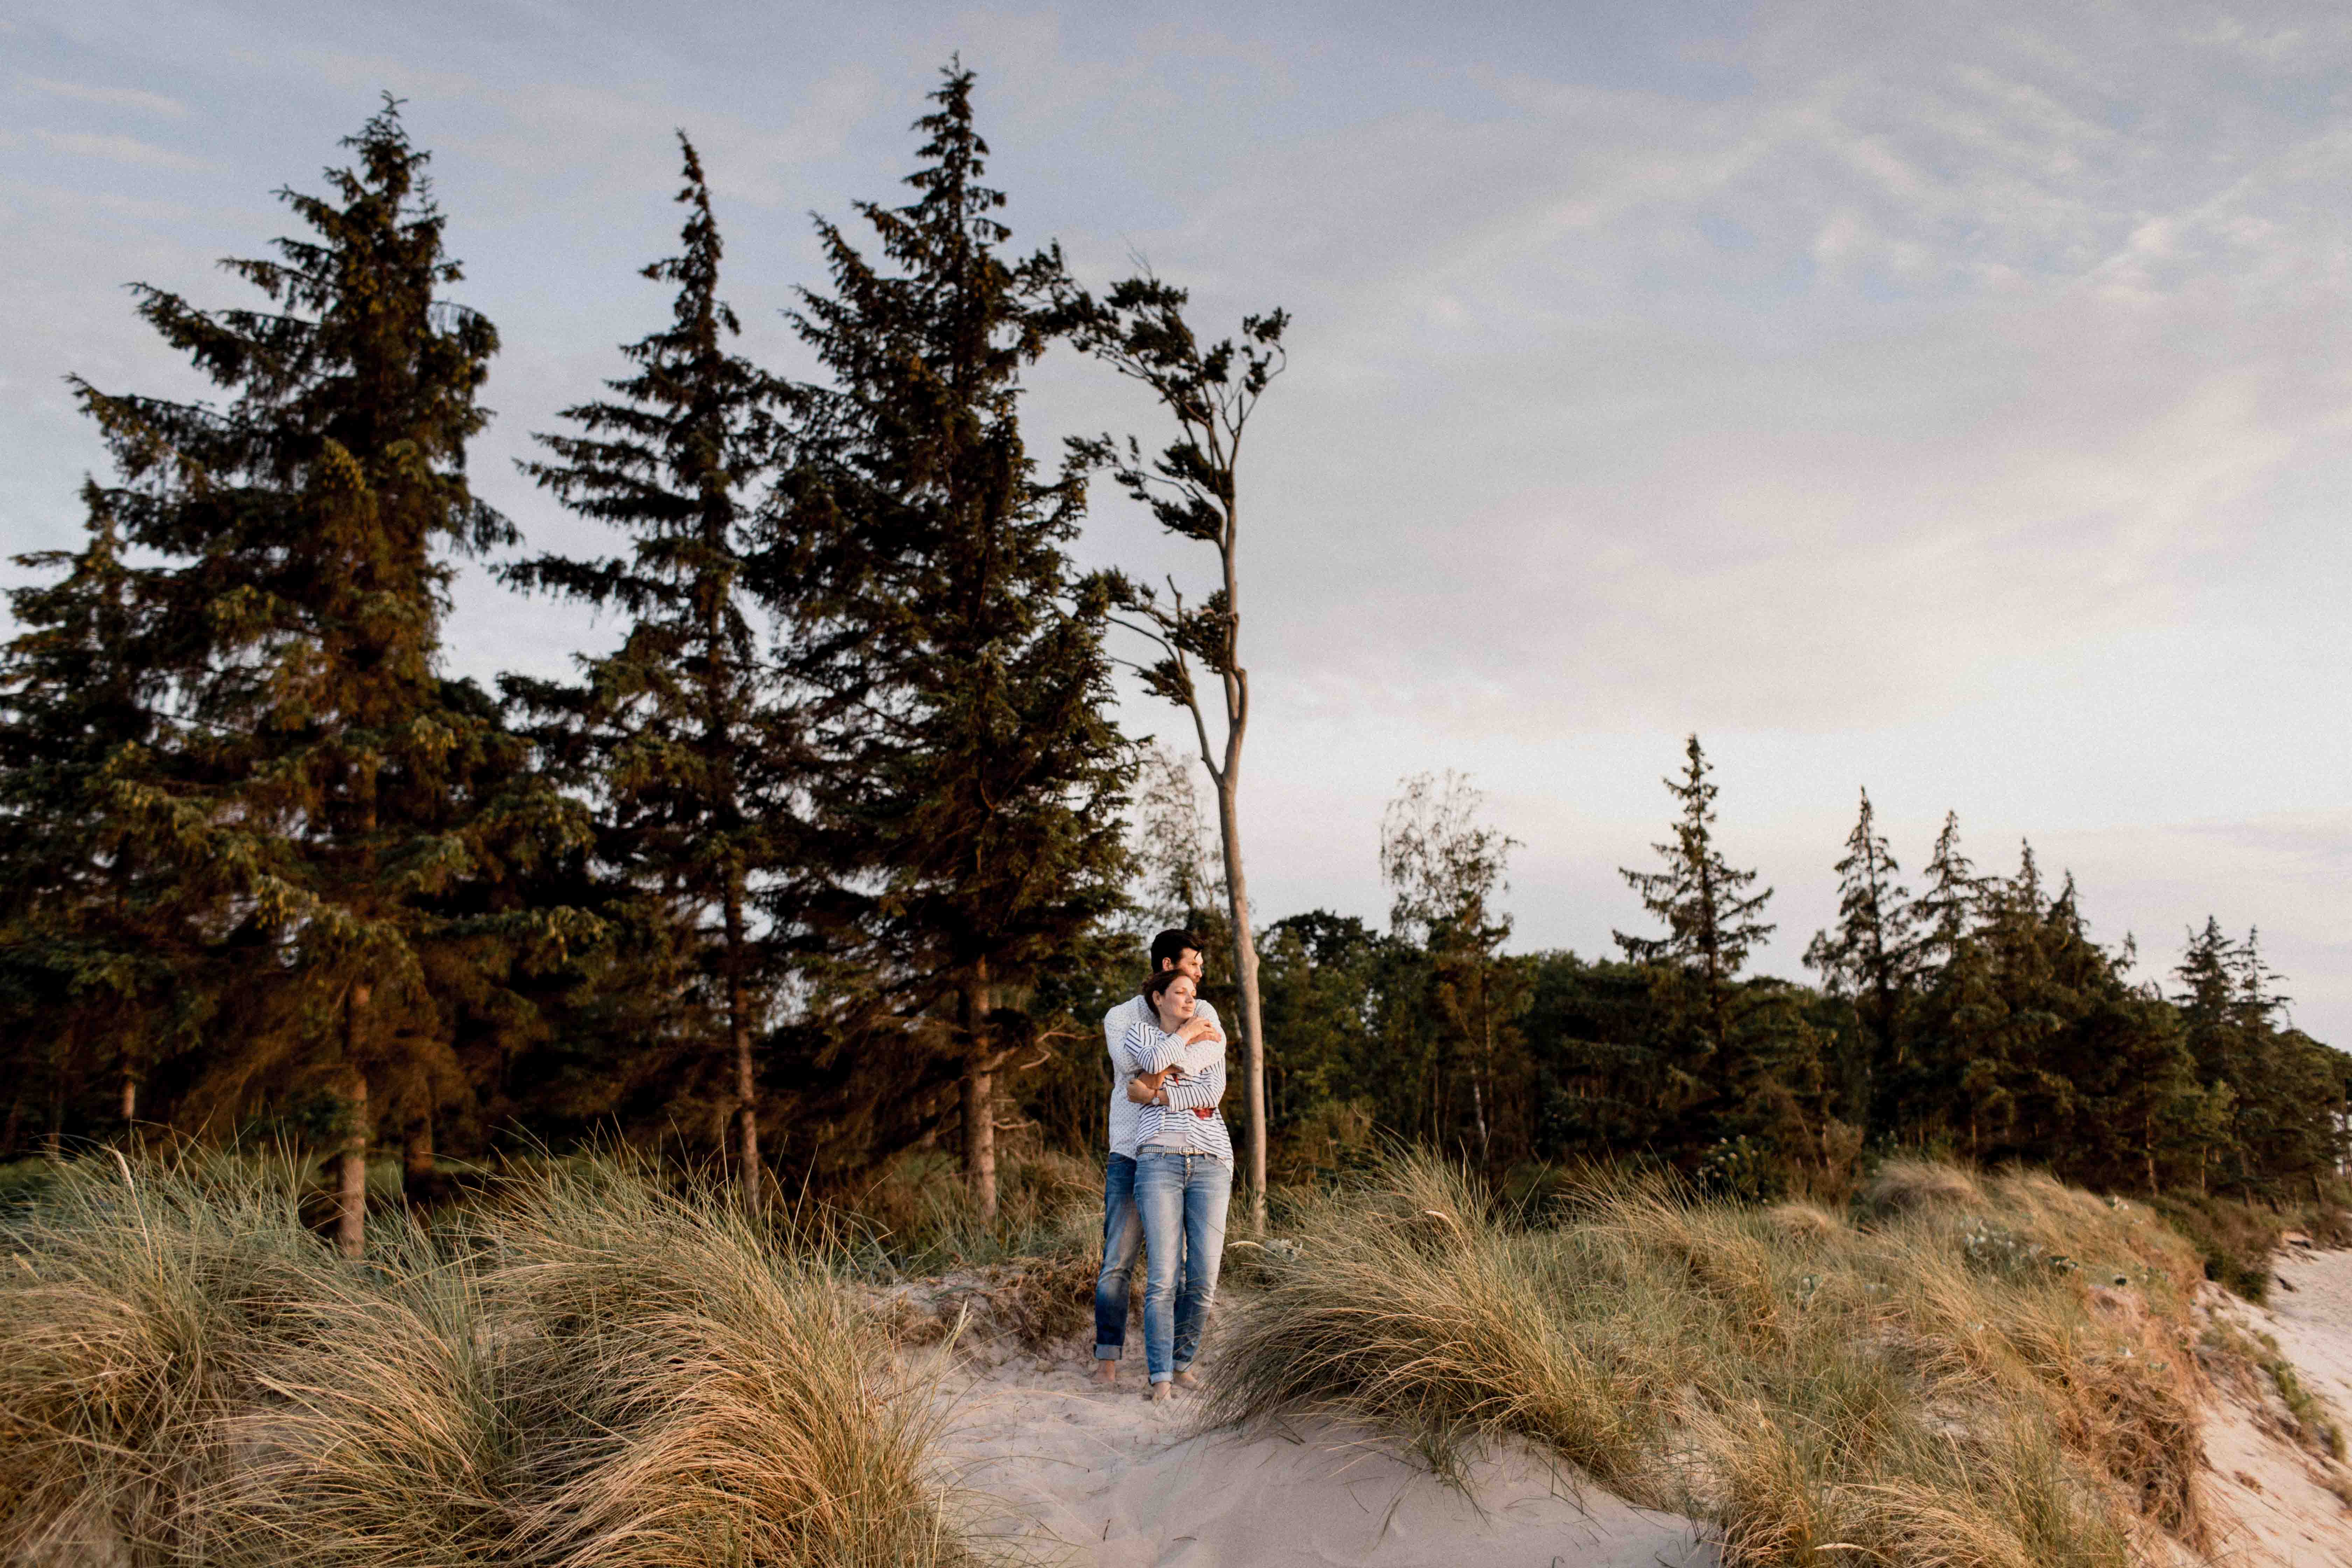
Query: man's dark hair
{"x": 1169, "y": 946}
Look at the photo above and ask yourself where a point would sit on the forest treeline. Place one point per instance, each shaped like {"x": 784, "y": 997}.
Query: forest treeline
{"x": 832, "y": 855}
{"x": 1975, "y": 1017}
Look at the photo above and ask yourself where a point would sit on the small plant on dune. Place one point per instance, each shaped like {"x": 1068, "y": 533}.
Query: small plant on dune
{"x": 1930, "y": 1388}
{"x": 2252, "y": 1358}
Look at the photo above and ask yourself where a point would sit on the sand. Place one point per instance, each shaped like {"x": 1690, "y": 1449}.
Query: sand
{"x": 2275, "y": 1494}
{"x": 1080, "y": 1475}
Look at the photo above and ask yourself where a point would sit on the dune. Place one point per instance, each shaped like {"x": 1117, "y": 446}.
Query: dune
{"x": 1102, "y": 1478}
{"x": 2287, "y": 1505}
{"x": 1074, "y": 1473}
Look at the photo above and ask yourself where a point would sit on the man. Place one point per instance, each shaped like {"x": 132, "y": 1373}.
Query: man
{"x": 1122, "y": 1225}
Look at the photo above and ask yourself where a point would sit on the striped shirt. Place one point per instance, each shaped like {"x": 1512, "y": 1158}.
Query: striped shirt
{"x": 1148, "y": 1048}
{"x": 1126, "y": 1116}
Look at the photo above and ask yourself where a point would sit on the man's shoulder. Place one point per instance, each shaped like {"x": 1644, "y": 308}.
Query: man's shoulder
{"x": 1120, "y": 1012}
{"x": 1207, "y": 1009}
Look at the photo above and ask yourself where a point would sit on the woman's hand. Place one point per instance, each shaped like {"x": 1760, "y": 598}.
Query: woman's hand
{"x": 1145, "y": 1088}
{"x": 1196, "y": 1027}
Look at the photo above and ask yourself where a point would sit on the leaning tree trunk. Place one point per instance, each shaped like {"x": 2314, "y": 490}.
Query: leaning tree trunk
{"x": 350, "y": 1163}
{"x": 1245, "y": 977}
{"x": 978, "y": 1095}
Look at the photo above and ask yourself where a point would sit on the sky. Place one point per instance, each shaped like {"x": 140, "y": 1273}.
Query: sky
{"x": 1953, "y": 402}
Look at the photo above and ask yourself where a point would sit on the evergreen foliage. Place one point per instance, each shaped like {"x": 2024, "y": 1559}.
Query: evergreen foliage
{"x": 971, "y": 798}
{"x": 262, "y": 865}
{"x": 85, "y": 985}
{"x": 1870, "y": 956}
{"x": 1733, "y": 1053}
{"x": 305, "y": 808}
{"x": 684, "y": 735}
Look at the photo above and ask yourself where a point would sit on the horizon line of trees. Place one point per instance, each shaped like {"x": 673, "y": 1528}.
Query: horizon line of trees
{"x": 827, "y": 857}
{"x": 1976, "y": 1019}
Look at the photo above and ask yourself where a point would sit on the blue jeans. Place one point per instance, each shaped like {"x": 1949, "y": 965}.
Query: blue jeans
{"x": 1122, "y": 1239}
{"x": 1182, "y": 1199}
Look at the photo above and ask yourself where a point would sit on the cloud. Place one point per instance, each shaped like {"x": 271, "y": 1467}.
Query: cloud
{"x": 121, "y": 150}
{"x": 111, "y": 96}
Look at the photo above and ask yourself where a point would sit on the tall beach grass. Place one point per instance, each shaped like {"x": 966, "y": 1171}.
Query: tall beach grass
{"x": 1985, "y": 1371}
{"x": 585, "y": 1367}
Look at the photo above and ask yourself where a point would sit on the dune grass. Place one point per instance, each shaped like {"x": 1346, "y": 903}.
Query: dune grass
{"x": 1977, "y": 1370}
{"x": 914, "y": 1216}
{"x": 585, "y": 1367}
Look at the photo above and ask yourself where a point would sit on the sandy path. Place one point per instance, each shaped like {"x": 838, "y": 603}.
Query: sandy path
{"x": 1084, "y": 1476}
{"x": 2311, "y": 1317}
{"x": 2285, "y": 1517}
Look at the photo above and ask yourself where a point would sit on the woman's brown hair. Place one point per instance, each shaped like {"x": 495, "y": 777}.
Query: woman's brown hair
{"x": 1157, "y": 987}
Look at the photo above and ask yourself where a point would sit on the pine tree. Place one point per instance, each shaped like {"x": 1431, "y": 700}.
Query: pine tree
{"x": 311, "y": 793}
{"x": 1948, "y": 910}
{"x": 973, "y": 805}
{"x": 2285, "y": 1126}
{"x": 1712, "y": 926}
{"x": 1870, "y": 956}
{"x": 85, "y": 985}
{"x": 692, "y": 749}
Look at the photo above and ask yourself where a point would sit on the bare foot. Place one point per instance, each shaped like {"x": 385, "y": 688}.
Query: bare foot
{"x": 1161, "y": 1391}
{"x": 1106, "y": 1372}
{"x": 1186, "y": 1380}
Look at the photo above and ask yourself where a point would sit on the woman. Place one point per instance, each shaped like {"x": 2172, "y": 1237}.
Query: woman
{"x": 1184, "y": 1175}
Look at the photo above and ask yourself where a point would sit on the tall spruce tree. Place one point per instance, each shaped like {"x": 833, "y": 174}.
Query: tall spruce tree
{"x": 2274, "y": 1114}
{"x": 310, "y": 792}
{"x": 1954, "y": 994}
{"x": 86, "y": 987}
{"x": 2213, "y": 1026}
{"x": 684, "y": 735}
{"x": 972, "y": 806}
{"x": 1713, "y": 925}
{"x": 1870, "y": 956}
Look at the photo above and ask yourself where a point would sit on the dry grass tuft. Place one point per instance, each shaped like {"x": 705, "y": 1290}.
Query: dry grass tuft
{"x": 132, "y": 1304}
{"x": 1804, "y": 1223}
{"x": 1908, "y": 1187}
{"x": 683, "y": 1394}
{"x": 1963, "y": 1381}
{"x": 915, "y": 1215}
{"x": 593, "y": 1370}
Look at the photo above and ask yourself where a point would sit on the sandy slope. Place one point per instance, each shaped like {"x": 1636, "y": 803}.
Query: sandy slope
{"x": 1080, "y": 1475}
{"x": 2271, "y": 1490}
{"x": 1084, "y": 1476}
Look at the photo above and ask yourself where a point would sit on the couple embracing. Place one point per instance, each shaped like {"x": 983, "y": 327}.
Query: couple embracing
{"x": 1170, "y": 1169}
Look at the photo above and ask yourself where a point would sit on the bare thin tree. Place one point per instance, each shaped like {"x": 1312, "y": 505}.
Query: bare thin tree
{"x": 1139, "y": 330}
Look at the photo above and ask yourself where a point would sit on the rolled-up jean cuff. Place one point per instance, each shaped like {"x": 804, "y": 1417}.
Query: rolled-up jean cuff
{"x": 1161, "y": 1376}
{"x": 1110, "y": 1353}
